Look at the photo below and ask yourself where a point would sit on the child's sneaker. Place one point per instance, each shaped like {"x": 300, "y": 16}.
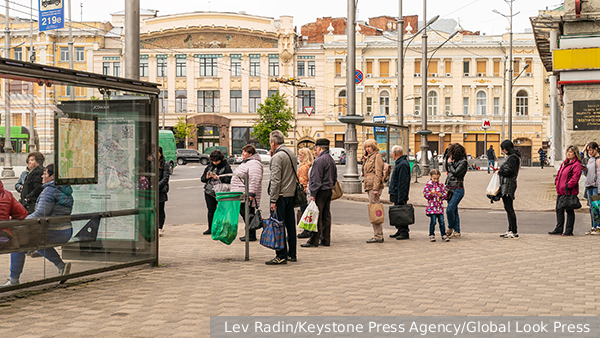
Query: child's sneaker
{"x": 445, "y": 239}
{"x": 432, "y": 238}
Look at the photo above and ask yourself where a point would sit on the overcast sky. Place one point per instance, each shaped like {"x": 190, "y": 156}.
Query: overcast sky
{"x": 474, "y": 15}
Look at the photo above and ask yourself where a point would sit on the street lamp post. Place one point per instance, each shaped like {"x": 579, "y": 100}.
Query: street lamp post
{"x": 424, "y": 132}
{"x": 400, "y": 96}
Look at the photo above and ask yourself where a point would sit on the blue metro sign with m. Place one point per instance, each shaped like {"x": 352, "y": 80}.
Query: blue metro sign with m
{"x": 52, "y": 15}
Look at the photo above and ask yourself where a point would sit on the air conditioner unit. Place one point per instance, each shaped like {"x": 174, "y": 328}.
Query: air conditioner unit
{"x": 547, "y": 104}
{"x": 466, "y": 74}
{"x": 417, "y": 74}
{"x": 448, "y": 74}
{"x": 448, "y": 112}
{"x": 433, "y": 75}
{"x": 369, "y": 76}
{"x": 417, "y": 112}
{"x": 528, "y": 74}
{"x": 369, "y": 113}
{"x": 480, "y": 74}
{"x": 547, "y": 80}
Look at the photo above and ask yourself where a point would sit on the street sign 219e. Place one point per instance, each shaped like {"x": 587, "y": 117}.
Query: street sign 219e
{"x": 52, "y": 15}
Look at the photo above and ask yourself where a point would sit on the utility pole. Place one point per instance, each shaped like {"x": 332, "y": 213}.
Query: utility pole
{"x": 351, "y": 184}
{"x": 555, "y": 116}
{"x": 400, "y": 103}
{"x": 8, "y": 170}
{"x": 424, "y": 132}
{"x": 71, "y": 51}
{"x": 132, "y": 39}
{"x": 510, "y": 74}
{"x": 32, "y": 60}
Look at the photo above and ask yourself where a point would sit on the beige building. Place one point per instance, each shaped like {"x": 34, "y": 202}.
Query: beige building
{"x": 465, "y": 84}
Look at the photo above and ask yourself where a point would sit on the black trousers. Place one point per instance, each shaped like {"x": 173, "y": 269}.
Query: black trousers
{"x": 510, "y": 213}
{"x": 403, "y": 230}
{"x": 285, "y": 213}
{"x": 323, "y": 201}
{"x": 243, "y": 214}
{"x": 161, "y": 215}
{"x": 560, "y": 220}
{"x": 211, "y": 205}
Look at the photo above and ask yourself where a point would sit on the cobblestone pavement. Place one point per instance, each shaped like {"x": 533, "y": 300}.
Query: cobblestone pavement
{"x": 479, "y": 274}
{"x": 535, "y": 191}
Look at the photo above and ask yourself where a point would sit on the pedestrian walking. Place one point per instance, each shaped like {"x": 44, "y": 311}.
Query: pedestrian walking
{"x": 542, "y": 154}
{"x": 282, "y": 189}
{"x": 32, "y": 186}
{"x": 491, "y": 157}
{"x": 164, "y": 173}
{"x": 435, "y": 194}
{"x": 217, "y": 166}
{"x": 251, "y": 168}
{"x": 508, "y": 172}
{"x": 53, "y": 201}
{"x": 400, "y": 188}
{"x": 457, "y": 166}
{"x": 567, "y": 183}
{"x": 592, "y": 181}
{"x": 306, "y": 158}
{"x": 372, "y": 170}
{"x": 323, "y": 175}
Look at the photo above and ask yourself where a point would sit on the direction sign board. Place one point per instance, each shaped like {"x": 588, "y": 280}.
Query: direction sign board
{"x": 358, "y": 76}
{"x": 379, "y": 119}
{"x": 309, "y": 110}
{"x": 360, "y": 89}
{"x": 486, "y": 124}
{"x": 52, "y": 15}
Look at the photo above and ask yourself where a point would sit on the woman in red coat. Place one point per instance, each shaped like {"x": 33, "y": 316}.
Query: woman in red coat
{"x": 567, "y": 183}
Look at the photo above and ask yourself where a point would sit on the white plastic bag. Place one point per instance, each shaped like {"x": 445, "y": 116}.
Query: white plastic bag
{"x": 310, "y": 217}
{"x": 494, "y": 187}
{"x": 220, "y": 187}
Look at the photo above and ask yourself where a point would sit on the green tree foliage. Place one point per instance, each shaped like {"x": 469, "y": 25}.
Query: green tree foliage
{"x": 182, "y": 129}
{"x": 273, "y": 114}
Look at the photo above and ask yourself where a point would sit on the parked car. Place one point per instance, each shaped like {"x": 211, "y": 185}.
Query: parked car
{"x": 191, "y": 155}
{"x": 343, "y": 159}
{"x": 264, "y": 156}
{"x": 45, "y": 3}
{"x": 237, "y": 158}
{"x": 336, "y": 153}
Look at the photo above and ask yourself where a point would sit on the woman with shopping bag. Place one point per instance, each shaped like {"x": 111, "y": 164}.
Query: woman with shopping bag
{"x": 567, "y": 191}
{"x": 372, "y": 170}
{"x": 509, "y": 171}
{"x": 306, "y": 159}
{"x": 251, "y": 168}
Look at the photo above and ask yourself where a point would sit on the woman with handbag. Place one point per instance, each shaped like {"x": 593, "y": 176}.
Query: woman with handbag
{"x": 372, "y": 170}
{"x": 567, "y": 189}
{"x": 508, "y": 172}
{"x": 252, "y": 168}
{"x": 217, "y": 166}
{"x": 306, "y": 159}
{"x": 456, "y": 165}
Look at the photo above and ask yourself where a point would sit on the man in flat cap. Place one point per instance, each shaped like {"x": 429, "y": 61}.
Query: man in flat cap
{"x": 323, "y": 175}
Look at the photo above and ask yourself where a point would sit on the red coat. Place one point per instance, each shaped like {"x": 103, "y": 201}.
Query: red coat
{"x": 10, "y": 208}
{"x": 570, "y": 171}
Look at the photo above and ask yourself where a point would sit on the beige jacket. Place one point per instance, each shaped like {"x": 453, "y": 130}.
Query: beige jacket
{"x": 283, "y": 174}
{"x": 373, "y": 172}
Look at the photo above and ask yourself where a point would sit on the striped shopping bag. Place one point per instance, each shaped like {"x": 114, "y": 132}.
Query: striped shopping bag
{"x": 273, "y": 234}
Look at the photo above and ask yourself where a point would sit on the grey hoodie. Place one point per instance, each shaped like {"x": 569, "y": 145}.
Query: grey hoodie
{"x": 592, "y": 179}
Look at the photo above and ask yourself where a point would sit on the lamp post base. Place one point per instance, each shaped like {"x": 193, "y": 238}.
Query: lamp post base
{"x": 8, "y": 172}
{"x": 351, "y": 184}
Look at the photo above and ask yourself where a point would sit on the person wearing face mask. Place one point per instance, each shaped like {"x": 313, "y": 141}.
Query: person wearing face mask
{"x": 508, "y": 172}
{"x": 592, "y": 181}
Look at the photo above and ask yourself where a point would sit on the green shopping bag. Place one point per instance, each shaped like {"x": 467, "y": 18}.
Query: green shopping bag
{"x": 225, "y": 221}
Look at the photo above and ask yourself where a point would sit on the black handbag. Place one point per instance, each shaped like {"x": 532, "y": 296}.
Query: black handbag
{"x": 449, "y": 193}
{"x": 256, "y": 221}
{"x": 300, "y": 194}
{"x": 402, "y": 215}
{"x": 567, "y": 202}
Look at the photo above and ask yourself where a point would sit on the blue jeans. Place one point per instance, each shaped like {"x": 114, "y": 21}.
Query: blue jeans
{"x": 590, "y": 192}
{"x": 17, "y": 259}
{"x": 490, "y": 164}
{"x": 440, "y": 219}
{"x": 452, "y": 210}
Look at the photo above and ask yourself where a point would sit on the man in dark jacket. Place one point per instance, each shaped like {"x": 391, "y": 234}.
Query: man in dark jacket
{"x": 323, "y": 175}
{"x": 400, "y": 187}
{"x": 491, "y": 157}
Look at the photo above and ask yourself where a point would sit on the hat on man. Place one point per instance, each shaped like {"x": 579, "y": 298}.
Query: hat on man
{"x": 322, "y": 142}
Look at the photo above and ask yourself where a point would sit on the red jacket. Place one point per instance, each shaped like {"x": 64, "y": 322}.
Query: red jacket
{"x": 10, "y": 208}
{"x": 570, "y": 171}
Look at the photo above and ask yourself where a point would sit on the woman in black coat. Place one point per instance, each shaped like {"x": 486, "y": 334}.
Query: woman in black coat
{"x": 163, "y": 189}
{"x": 456, "y": 165}
{"x": 508, "y": 172}
{"x": 217, "y": 166}
{"x": 32, "y": 185}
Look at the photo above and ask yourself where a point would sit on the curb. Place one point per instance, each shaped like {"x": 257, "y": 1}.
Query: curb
{"x": 387, "y": 202}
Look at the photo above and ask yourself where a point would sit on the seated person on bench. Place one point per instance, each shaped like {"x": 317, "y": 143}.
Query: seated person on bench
{"x": 53, "y": 201}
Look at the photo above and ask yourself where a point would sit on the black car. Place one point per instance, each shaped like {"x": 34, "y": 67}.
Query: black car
{"x": 45, "y": 3}
{"x": 190, "y": 155}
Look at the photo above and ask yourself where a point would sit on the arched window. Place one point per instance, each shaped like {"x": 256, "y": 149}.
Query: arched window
{"x": 384, "y": 103}
{"x": 432, "y": 103}
{"x": 522, "y": 103}
{"x": 481, "y": 103}
{"x": 341, "y": 103}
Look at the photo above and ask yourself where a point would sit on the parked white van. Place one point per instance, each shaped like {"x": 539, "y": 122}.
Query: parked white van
{"x": 336, "y": 153}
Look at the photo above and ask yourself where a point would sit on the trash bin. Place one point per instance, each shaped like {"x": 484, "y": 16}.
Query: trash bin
{"x": 225, "y": 221}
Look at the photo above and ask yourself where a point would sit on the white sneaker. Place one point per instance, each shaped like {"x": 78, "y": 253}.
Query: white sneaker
{"x": 8, "y": 283}
{"x": 592, "y": 231}
{"x": 449, "y": 232}
{"x": 161, "y": 232}
{"x": 455, "y": 235}
{"x": 432, "y": 238}
{"x": 505, "y": 234}
{"x": 65, "y": 270}
{"x": 510, "y": 234}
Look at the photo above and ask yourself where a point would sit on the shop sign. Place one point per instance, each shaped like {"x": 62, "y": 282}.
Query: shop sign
{"x": 586, "y": 115}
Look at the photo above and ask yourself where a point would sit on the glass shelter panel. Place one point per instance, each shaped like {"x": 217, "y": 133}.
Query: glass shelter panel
{"x": 92, "y": 164}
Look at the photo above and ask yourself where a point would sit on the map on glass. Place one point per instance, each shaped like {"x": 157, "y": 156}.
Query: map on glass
{"x": 76, "y": 150}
